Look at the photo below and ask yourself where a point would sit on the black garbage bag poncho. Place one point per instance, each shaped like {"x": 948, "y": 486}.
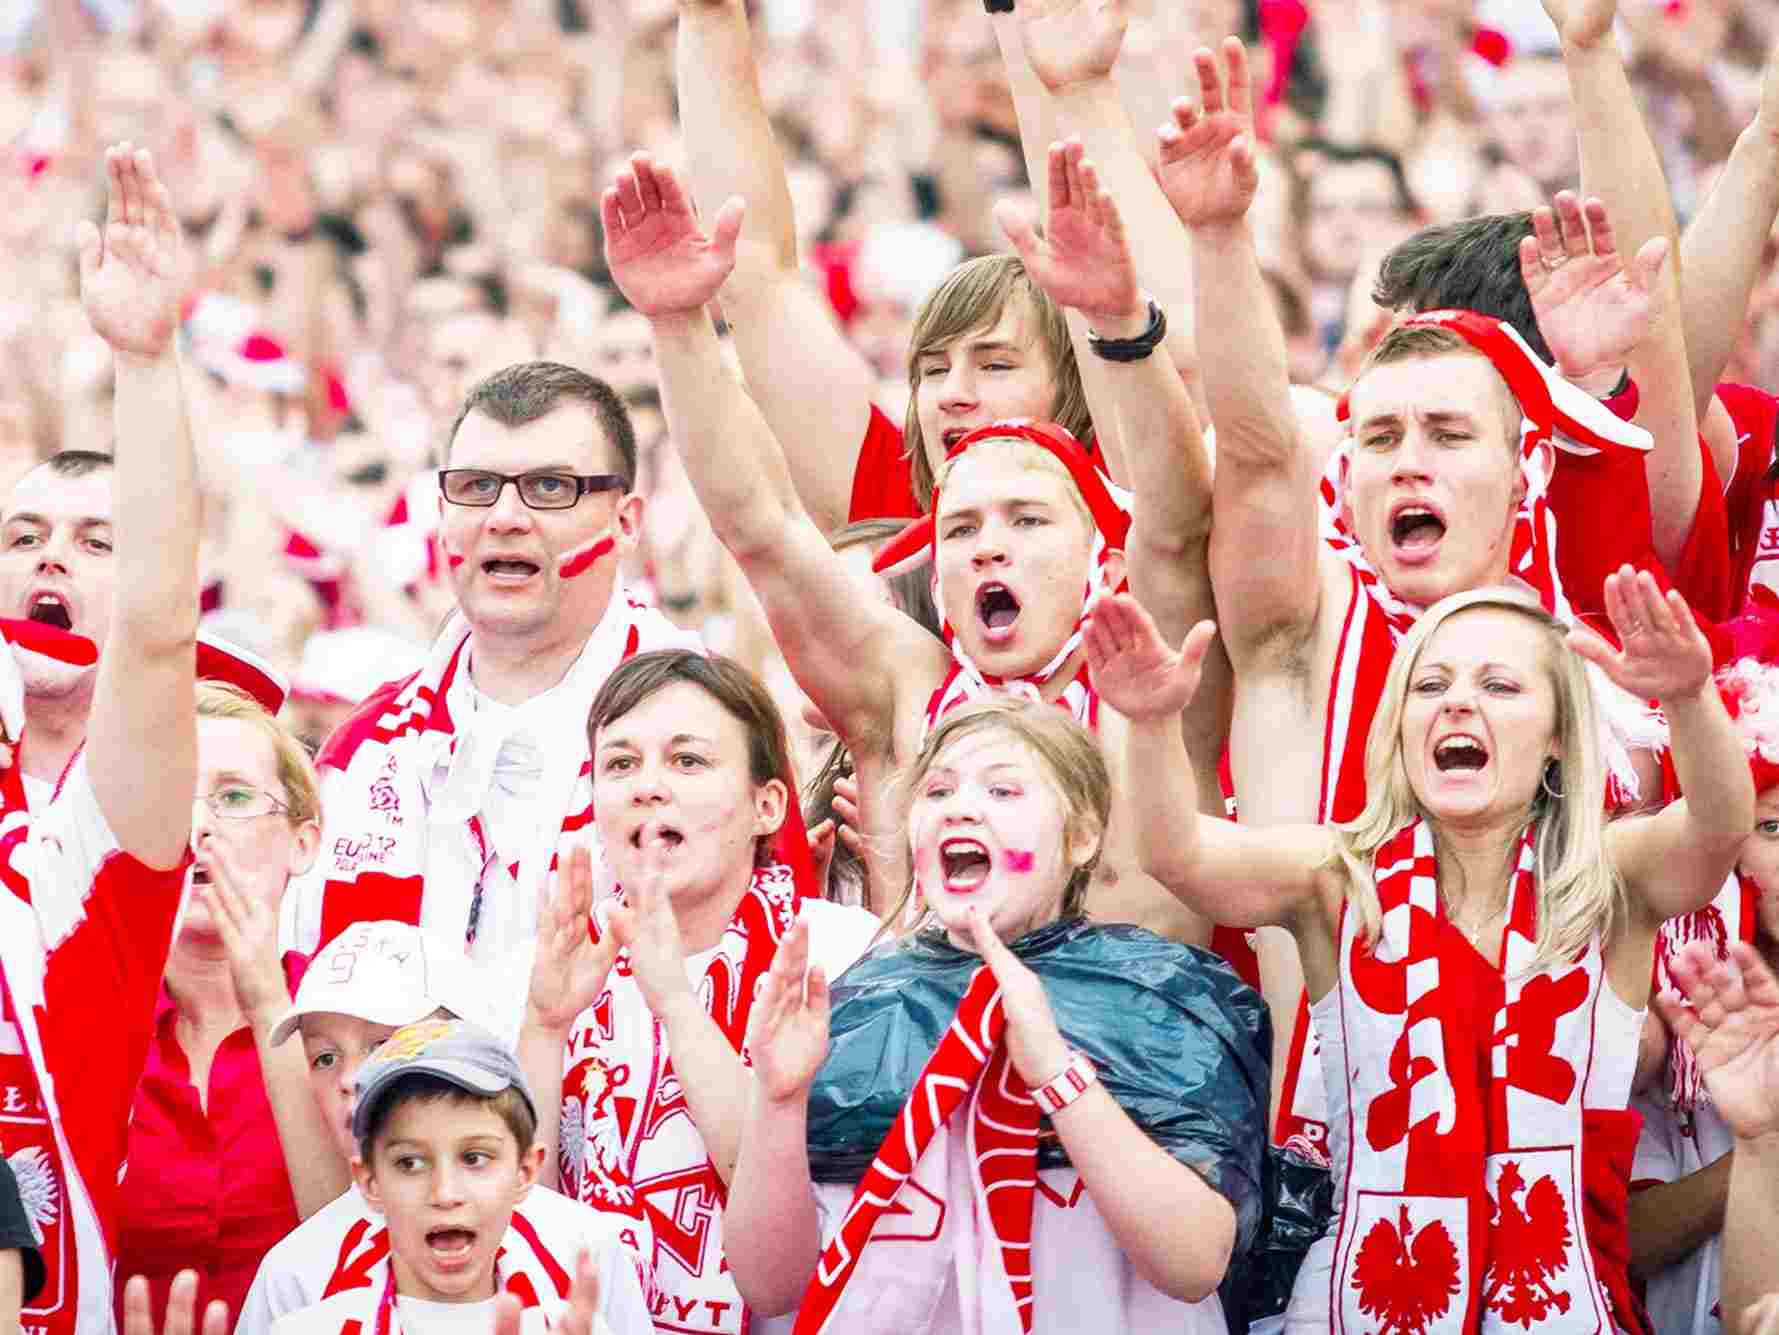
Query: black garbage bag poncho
{"x": 1180, "y": 1042}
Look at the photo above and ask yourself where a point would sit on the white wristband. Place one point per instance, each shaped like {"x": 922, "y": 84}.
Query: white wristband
{"x": 1068, "y": 1085}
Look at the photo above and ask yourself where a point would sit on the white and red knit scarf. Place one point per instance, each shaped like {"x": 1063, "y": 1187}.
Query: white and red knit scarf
{"x": 1465, "y": 1202}
{"x": 381, "y": 820}
{"x": 969, "y": 1069}
{"x": 1730, "y": 916}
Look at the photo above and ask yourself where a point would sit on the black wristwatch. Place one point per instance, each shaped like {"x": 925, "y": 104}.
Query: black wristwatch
{"x": 1132, "y": 349}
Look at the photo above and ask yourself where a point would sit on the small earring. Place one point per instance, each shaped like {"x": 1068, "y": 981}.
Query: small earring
{"x": 1552, "y": 771}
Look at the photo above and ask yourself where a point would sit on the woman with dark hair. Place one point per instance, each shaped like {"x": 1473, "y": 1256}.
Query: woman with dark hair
{"x": 694, "y": 799}
{"x": 1012, "y": 1118}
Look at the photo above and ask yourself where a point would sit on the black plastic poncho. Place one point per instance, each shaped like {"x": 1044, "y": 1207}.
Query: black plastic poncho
{"x": 1181, "y": 1043}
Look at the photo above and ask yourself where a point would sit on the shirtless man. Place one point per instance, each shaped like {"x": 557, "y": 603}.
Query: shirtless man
{"x": 1020, "y": 529}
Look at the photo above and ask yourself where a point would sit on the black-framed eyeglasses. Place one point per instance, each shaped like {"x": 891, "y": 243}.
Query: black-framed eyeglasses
{"x": 540, "y": 491}
{"x": 238, "y": 801}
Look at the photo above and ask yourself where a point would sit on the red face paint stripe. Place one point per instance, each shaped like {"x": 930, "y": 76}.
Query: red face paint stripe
{"x": 581, "y": 559}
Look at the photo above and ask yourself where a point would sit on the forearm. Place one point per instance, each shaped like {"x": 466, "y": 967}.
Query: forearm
{"x": 1163, "y": 795}
{"x": 1751, "y": 1226}
{"x": 1177, "y": 1231}
{"x": 712, "y": 1076}
{"x": 540, "y": 1057}
{"x": 771, "y": 1230}
{"x": 1721, "y": 255}
{"x": 1246, "y": 375}
{"x": 1671, "y": 1221}
{"x": 1712, "y": 768}
{"x": 731, "y": 458}
{"x": 311, "y": 1160}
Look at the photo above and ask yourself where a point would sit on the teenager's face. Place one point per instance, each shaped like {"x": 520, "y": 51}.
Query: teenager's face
{"x": 999, "y": 371}
{"x": 1015, "y": 553}
{"x": 236, "y": 760}
{"x": 674, "y": 795}
{"x": 506, "y": 582}
{"x": 335, "y": 1046}
{"x": 989, "y": 830}
{"x": 1479, "y": 719}
{"x": 1353, "y": 211}
{"x": 1760, "y": 863}
{"x": 56, "y": 562}
{"x": 1433, "y": 485}
{"x": 446, "y": 1174}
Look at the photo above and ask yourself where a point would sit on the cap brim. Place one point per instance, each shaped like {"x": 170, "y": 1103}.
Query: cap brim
{"x": 466, "y": 1076}
{"x": 395, "y": 1016}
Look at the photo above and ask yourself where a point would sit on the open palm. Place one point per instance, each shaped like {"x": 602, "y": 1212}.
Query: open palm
{"x": 1207, "y": 168}
{"x": 1730, "y": 1020}
{"x": 1591, "y": 307}
{"x": 658, "y": 256}
{"x": 1664, "y": 656}
{"x": 1070, "y": 42}
{"x": 132, "y": 271}
{"x": 1083, "y": 260}
{"x": 787, "y": 1034}
{"x": 569, "y": 968}
{"x": 1132, "y": 667}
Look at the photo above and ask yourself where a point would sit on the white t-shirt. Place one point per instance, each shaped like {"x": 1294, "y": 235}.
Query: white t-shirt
{"x": 1681, "y": 1300}
{"x": 615, "y": 1052}
{"x": 342, "y": 1251}
{"x": 356, "y": 1309}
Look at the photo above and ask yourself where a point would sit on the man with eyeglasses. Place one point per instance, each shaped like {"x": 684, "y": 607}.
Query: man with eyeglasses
{"x": 450, "y": 796}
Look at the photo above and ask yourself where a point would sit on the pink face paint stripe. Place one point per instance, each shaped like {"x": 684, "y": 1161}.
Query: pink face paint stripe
{"x": 454, "y": 559}
{"x": 1018, "y": 860}
{"x": 581, "y": 559}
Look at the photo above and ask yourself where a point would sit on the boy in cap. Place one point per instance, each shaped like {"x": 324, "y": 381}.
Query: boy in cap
{"x": 364, "y": 985}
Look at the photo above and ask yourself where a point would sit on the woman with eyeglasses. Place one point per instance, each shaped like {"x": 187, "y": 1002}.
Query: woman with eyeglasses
{"x": 227, "y": 1149}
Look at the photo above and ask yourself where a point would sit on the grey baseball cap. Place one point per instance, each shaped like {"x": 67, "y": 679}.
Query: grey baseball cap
{"x": 455, "y": 1051}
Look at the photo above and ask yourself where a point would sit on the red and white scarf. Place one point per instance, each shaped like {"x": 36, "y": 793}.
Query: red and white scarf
{"x": 1730, "y": 916}
{"x": 1107, "y": 505}
{"x": 970, "y": 1069}
{"x": 401, "y": 847}
{"x": 1466, "y": 1205}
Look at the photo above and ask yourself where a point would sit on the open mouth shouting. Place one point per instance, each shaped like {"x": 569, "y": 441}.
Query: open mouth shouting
{"x": 997, "y": 611}
{"x": 964, "y": 863}
{"x": 451, "y": 1248}
{"x": 1416, "y": 530}
{"x": 49, "y": 608}
{"x": 509, "y": 571}
{"x": 1459, "y": 753}
{"x": 656, "y": 835}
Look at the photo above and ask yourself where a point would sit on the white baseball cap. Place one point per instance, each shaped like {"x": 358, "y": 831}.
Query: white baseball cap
{"x": 390, "y": 973}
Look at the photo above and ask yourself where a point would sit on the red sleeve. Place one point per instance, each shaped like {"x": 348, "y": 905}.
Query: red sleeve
{"x": 882, "y": 487}
{"x": 1754, "y": 413}
{"x": 1601, "y": 504}
{"x": 1704, "y": 574}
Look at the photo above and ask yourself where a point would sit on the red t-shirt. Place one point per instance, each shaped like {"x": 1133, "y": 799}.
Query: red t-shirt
{"x": 1752, "y": 497}
{"x": 207, "y": 1188}
{"x": 882, "y": 483}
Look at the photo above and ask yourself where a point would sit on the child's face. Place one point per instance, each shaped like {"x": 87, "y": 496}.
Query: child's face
{"x": 446, "y": 1173}
{"x": 335, "y": 1046}
{"x": 1760, "y": 862}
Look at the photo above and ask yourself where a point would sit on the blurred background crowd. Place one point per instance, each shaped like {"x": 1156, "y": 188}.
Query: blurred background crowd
{"x": 387, "y": 199}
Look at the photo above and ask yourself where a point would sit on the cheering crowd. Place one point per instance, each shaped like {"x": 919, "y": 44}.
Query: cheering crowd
{"x": 723, "y": 668}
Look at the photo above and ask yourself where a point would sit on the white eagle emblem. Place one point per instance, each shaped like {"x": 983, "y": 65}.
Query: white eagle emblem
{"x": 37, "y": 1188}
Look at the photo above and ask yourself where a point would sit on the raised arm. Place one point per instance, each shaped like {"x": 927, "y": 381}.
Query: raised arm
{"x": 1674, "y": 861}
{"x": 1722, "y": 248}
{"x": 1619, "y": 163}
{"x": 142, "y": 736}
{"x": 812, "y": 387}
{"x": 1232, "y": 874}
{"x": 845, "y": 646}
{"x": 1264, "y": 489}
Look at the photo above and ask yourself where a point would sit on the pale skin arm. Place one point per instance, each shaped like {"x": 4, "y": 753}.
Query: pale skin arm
{"x": 812, "y": 387}
{"x": 845, "y": 646}
{"x": 249, "y": 931}
{"x": 1619, "y": 163}
{"x": 1732, "y": 1026}
{"x": 1264, "y": 488}
{"x": 1230, "y": 873}
{"x": 141, "y": 736}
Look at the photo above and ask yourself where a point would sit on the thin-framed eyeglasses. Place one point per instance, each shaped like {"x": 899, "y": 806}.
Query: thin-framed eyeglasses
{"x": 239, "y": 801}
{"x": 542, "y": 490}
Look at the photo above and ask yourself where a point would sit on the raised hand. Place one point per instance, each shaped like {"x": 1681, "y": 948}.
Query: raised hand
{"x": 249, "y": 931}
{"x": 1071, "y": 42}
{"x": 787, "y": 1033}
{"x": 1582, "y": 23}
{"x": 1591, "y": 308}
{"x": 1132, "y": 667}
{"x": 182, "y": 1303}
{"x": 1730, "y": 1019}
{"x": 1761, "y": 1317}
{"x": 645, "y": 926}
{"x": 1034, "y": 1043}
{"x": 659, "y": 258}
{"x": 1082, "y": 261}
{"x": 1207, "y": 166}
{"x": 569, "y": 970}
{"x": 1665, "y": 657}
{"x": 132, "y": 273}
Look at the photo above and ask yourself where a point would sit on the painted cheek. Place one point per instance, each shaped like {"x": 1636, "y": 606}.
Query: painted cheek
{"x": 581, "y": 559}
{"x": 1019, "y": 861}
